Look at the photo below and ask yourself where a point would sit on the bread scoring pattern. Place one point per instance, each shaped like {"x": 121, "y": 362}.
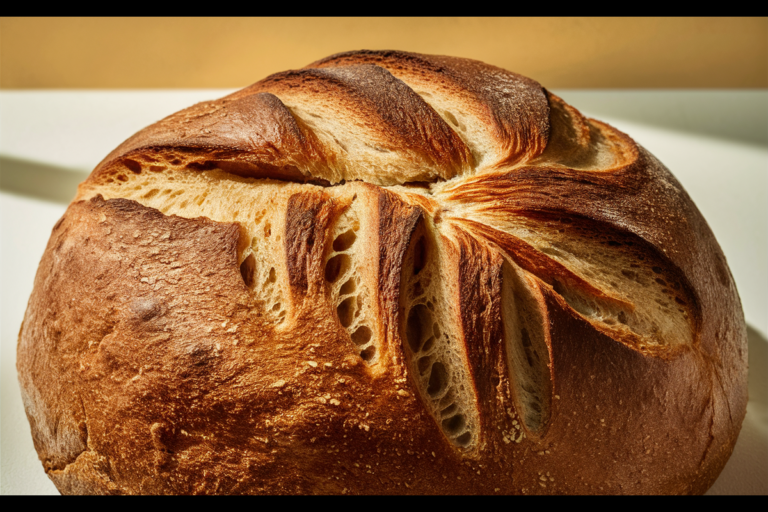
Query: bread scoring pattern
{"x": 473, "y": 149}
{"x": 383, "y": 273}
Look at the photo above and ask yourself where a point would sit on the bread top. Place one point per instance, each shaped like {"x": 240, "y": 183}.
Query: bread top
{"x": 406, "y": 118}
{"x": 489, "y": 150}
{"x": 491, "y": 277}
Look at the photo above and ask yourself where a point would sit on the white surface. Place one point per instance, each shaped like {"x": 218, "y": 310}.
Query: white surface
{"x": 711, "y": 140}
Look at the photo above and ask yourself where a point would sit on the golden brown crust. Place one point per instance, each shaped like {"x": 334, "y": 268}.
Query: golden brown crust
{"x": 253, "y": 136}
{"x": 496, "y": 295}
{"x": 404, "y": 122}
{"x": 511, "y": 108}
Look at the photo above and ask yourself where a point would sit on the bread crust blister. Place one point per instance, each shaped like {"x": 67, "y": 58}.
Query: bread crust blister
{"x": 383, "y": 273}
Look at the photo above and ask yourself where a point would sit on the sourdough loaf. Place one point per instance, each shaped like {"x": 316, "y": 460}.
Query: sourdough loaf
{"x": 383, "y": 273}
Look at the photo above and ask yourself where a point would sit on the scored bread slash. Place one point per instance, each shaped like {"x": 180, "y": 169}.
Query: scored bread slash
{"x": 470, "y": 286}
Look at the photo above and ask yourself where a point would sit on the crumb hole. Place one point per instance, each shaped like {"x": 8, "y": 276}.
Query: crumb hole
{"x": 454, "y": 424}
{"x": 368, "y": 353}
{"x": 438, "y": 379}
{"x": 558, "y": 287}
{"x": 132, "y": 165}
{"x": 344, "y": 241}
{"x": 336, "y": 266}
{"x": 419, "y": 318}
{"x": 419, "y": 255}
{"x": 346, "y": 311}
{"x": 464, "y": 439}
{"x": 349, "y": 287}
{"x": 362, "y": 335}
{"x": 525, "y": 337}
{"x": 247, "y": 268}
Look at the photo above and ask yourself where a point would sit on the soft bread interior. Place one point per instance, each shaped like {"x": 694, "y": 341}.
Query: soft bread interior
{"x": 262, "y": 265}
{"x": 527, "y": 350}
{"x": 346, "y": 280}
{"x": 432, "y": 335}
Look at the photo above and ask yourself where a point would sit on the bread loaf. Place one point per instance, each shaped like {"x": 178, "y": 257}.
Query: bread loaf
{"x": 383, "y": 273}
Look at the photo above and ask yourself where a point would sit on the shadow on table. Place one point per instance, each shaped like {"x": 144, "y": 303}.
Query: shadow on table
{"x": 737, "y": 115}
{"x": 747, "y": 470}
{"x": 38, "y": 180}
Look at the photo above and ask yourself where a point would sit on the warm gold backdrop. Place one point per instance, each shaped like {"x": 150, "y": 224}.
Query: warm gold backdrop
{"x": 233, "y": 52}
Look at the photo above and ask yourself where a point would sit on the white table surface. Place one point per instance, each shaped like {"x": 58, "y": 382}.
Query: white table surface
{"x": 715, "y": 142}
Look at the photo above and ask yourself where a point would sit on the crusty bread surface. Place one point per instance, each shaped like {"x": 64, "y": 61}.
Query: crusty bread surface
{"x": 385, "y": 273}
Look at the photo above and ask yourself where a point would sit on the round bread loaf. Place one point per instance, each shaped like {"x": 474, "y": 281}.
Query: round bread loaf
{"x": 383, "y": 273}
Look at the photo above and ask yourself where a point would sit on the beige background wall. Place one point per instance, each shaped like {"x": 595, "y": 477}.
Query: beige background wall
{"x": 232, "y": 52}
